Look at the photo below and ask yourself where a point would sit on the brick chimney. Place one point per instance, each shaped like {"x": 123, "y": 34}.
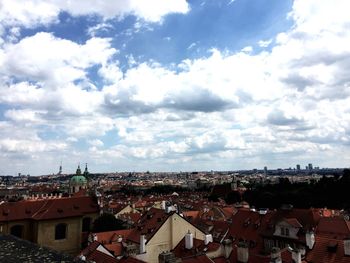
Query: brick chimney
{"x": 310, "y": 239}
{"x": 208, "y": 238}
{"x": 242, "y": 252}
{"x": 189, "y": 240}
{"x": 142, "y": 244}
{"x": 296, "y": 256}
{"x": 276, "y": 255}
{"x": 347, "y": 246}
{"x": 227, "y": 243}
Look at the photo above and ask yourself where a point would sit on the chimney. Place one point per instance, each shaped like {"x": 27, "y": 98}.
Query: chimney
{"x": 166, "y": 257}
{"x": 189, "y": 240}
{"x": 227, "y": 247}
{"x": 276, "y": 255}
{"x": 242, "y": 252}
{"x": 208, "y": 238}
{"x": 296, "y": 256}
{"x": 347, "y": 246}
{"x": 142, "y": 244}
{"x": 163, "y": 204}
{"x": 310, "y": 239}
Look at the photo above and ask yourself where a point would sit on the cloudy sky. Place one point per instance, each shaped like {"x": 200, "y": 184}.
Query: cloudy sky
{"x": 173, "y": 85}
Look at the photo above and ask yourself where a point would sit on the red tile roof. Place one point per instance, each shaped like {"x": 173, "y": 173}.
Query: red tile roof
{"x": 293, "y": 222}
{"x": 181, "y": 251}
{"x": 322, "y": 254}
{"x": 91, "y": 253}
{"x": 112, "y": 236}
{"x": 248, "y": 225}
{"x": 333, "y": 227}
{"x": 149, "y": 224}
{"x": 100, "y": 257}
{"x": 131, "y": 260}
{"x": 197, "y": 259}
{"x": 44, "y": 209}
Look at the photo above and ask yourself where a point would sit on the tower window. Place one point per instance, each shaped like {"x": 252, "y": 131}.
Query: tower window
{"x": 60, "y": 231}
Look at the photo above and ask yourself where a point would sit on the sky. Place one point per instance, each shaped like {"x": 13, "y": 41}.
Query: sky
{"x": 173, "y": 85}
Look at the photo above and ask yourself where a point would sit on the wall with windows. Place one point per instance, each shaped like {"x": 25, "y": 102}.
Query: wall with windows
{"x": 284, "y": 229}
{"x": 22, "y": 229}
{"x": 51, "y": 233}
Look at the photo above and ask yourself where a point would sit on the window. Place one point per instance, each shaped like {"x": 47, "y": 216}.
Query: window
{"x": 86, "y": 224}
{"x": 287, "y": 232}
{"x": 60, "y": 231}
{"x": 282, "y": 231}
{"x": 17, "y": 230}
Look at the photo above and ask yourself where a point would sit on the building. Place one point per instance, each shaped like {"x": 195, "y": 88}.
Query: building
{"x": 54, "y": 222}
{"x": 310, "y": 166}
{"x": 78, "y": 181}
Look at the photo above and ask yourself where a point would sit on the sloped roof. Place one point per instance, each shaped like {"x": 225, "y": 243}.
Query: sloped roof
{"x": 44, "y": 209}
{"x": 321, "y": 254}
{"x": 197, "y": 259}
{"x": 181, "y": 251}
{"x": 248, "y": 225}
{"x": 333, "y": 227}
{"x": 92, "y": 253}
{"x": 149, "y": 224}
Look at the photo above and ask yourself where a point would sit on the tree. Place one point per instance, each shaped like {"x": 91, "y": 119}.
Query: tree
{"x": 107, "y": 222}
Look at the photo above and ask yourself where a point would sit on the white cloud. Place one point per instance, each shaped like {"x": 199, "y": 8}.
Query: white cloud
{"x": 265, "y": 43}
{"x": 258, "y": 108}
{"x": 96, "y": 143}
{"x": 39, "y": 12}
{"x": 43, "y": 57}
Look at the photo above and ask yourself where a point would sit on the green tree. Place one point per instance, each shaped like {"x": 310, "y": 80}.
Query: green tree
{"x": 107, "y": 222}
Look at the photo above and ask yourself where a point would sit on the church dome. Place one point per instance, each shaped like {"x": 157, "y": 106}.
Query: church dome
{"x": 78, "y": 180}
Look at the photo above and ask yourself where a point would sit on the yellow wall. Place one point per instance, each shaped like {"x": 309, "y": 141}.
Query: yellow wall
{"x": 71, "y": 244}
{"x": 127, "y": 209}
{"x": 28, "y": 226}
{"x": 168, "y": 236}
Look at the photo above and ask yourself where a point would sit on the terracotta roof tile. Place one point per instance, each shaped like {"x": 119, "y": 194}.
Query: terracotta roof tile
{"x": 321, "y": 253}
{"x": 48, "y": 208}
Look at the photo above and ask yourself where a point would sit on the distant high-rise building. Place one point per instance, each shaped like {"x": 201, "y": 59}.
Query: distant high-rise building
{"x": 310, "y": 166}
{"x": 265, "y": 170}
{"x": 60, "y": 170}
{"x": 298, "y": 167}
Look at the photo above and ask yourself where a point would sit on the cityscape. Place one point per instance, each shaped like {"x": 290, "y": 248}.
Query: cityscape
{"x": 174, "y": 131}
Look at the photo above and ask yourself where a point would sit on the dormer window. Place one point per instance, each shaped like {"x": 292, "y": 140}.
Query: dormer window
{"x": 282, "y": 231}
{"x": 287, "y": 232}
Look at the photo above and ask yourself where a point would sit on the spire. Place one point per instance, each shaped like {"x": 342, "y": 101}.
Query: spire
{"x": 60, "y": 170}
{"x": 86, "y": 172}
{"x": 78, "y": 170}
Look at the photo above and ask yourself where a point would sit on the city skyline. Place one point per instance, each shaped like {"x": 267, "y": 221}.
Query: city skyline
{"x": 189, "y": 85}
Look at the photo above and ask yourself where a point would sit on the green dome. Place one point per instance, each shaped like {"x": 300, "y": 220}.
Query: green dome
{"x": 78, "y": 180}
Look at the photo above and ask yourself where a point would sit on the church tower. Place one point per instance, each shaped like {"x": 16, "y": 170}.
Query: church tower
{"x": 78, "y": 181}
